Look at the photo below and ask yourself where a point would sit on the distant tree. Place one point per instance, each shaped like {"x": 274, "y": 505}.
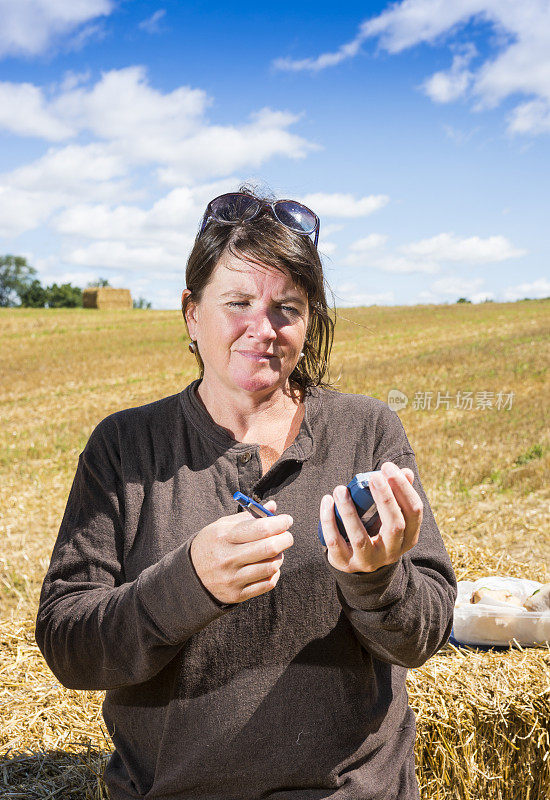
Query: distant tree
{"x": 142, "y": 303}
{"x": 34, "y": 295}
{"x": 64, "y": 296}
{"x": 15, "y": 276}
{"x": 463, "y": 300}
{"x": 99, "y": 282}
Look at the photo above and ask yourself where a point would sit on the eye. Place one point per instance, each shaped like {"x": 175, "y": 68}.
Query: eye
{"x": 238, "y": 303}
{"x": 290, "y": 310}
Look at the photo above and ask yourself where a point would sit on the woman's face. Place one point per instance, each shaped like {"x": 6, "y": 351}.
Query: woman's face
{"x": 250, "y": 326}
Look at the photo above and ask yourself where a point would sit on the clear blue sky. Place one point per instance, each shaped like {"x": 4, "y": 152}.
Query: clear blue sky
{"x": 418, "y": 131}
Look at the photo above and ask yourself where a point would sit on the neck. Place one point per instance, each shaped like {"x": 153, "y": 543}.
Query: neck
{"x": 248, "y": 416}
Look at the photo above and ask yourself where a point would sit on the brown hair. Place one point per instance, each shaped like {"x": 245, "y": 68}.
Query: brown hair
{"x": 268, "y": 242}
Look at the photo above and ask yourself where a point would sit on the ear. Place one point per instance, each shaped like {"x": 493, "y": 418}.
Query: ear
{"x": 190, "y": 314}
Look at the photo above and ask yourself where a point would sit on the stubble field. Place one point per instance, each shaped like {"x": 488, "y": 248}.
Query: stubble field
{"x": 476, "y": 379}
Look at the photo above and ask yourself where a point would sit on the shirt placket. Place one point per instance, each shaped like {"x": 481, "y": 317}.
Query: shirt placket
{"x": 249, "y": 469}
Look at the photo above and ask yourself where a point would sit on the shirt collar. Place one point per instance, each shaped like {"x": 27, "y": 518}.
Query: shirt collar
{"x": 195, "y": 412}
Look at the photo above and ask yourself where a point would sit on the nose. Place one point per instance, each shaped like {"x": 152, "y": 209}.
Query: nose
{"x": 261, "y": 326}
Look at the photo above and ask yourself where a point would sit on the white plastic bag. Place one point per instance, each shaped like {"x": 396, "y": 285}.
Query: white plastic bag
{"x": 493, "y": 622}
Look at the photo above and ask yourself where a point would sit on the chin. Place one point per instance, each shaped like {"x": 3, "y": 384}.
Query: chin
{"x": 256, "y": 383}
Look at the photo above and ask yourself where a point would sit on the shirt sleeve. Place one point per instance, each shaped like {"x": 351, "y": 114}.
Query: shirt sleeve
{"x": 403, "y": 613}
{"x": 95, "y": 629}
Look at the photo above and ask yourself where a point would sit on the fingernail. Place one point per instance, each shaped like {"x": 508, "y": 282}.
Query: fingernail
{"x": 376, "y": 481}
{"x": 340, "y": 492}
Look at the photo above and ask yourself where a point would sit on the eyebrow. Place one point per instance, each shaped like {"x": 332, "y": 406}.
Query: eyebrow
{"x": 293, "y": 298}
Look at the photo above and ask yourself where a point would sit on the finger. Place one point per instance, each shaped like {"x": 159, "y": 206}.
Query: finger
{"x": 352, "y": 522}
{"x": 409, "y": 474}
{"x": 252, "y": 529}
{"x": 254, "y": 571}
{"x": 393, "y": 522}
{"x": 332, "y": 536}
{"x": 408, "y": 500}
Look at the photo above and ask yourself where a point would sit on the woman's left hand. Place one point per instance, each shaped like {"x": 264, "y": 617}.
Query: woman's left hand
{"x": 400, "y": 510}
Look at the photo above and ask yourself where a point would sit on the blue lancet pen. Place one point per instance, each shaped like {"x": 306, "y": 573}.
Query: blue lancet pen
{"x": 251, "y": 505}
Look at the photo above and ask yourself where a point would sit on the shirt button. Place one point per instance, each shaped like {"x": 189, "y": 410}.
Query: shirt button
{"x": 244, "y": 458}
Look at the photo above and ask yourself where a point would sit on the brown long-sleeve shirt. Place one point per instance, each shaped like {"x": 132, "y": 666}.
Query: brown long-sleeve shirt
{"x": 297, "y": 694}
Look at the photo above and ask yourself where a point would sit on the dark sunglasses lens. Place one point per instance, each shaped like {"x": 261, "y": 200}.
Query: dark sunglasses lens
{"x": 234, "y": 207}
{"x": 295, "y": 216}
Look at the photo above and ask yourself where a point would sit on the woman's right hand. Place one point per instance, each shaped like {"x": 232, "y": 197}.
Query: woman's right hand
{"x": 239, "y": 557}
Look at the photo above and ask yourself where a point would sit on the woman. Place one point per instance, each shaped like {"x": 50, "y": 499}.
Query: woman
{"x": 242, "y": 660}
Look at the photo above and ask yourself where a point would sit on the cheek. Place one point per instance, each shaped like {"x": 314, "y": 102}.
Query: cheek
{"x": 224, "y": 330}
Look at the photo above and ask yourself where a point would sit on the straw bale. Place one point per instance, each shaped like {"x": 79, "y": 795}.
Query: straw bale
{"x": 71, "y": 774}
{"x": 106, "y": 297}
{"x": 483, "y": 723}
{"x": 52, "y": 742}
{"x": 472, "y": 561}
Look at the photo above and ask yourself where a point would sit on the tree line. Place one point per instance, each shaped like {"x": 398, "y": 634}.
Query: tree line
{"x": 19, "y": 287}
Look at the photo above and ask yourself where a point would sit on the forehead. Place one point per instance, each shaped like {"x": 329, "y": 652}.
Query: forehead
{"x": 236, "y": 273}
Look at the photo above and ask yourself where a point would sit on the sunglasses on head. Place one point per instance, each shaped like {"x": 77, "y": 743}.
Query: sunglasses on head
{"x": 237, "y": 207}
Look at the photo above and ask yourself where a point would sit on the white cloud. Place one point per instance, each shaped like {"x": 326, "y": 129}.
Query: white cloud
{"x": 122, "y": 107}
{"x": 327, "y": 248}
{"x": 347, "y": 295}
{"x": 445, "y": 86}
{"x": 532, "y": 117}
{"x": 30, "y": 194}
{"x": 538, "y": 288}
{"x": 219, "y": 150}
{"x": 394, "y": 263}
{"x": 453, "y": 285}
{"x": 344, "y": 205}
{"x": 24, "y": 111}
{"x": 21, "y": 210}
{"x": 131, "y": 125}
{"x": 426, "y": 296}
{"x": 29, "y": 27}
{"x": 146, "y": 127}
{"x": 122, "y": 256}
{"x": 459, "y": 136}
{"x": 368, "y": 253}
{"x": 371, "y": 242}
{"x": 481, "y": 297}
{"x": 151, "y": 24}
{"x": 321, "y": 62}
{"x": 474, "y": 250}
{"x": 331, "y": 228}
{"x": 172, "y": 220}
{"x": 68, "y": 169}
{"x": 62, "y": 274}
{"x": 426, "y": 255}
{"x": 455, "y": 290}
{"x": 388, "y": 262}
{"x": 521, "y": 64}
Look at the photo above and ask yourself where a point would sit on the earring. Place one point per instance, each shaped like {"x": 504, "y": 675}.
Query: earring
{"x": 192, "y": 347}
{"x": 302, "y": 354}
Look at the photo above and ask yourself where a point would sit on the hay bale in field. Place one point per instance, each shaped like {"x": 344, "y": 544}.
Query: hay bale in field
{"x": 72, "y": 774}
{"x": 483, "y": 724}
{"x": 106, "y": 297}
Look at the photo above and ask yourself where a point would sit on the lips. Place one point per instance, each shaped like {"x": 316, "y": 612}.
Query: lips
{"x": 254, "y": 355}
